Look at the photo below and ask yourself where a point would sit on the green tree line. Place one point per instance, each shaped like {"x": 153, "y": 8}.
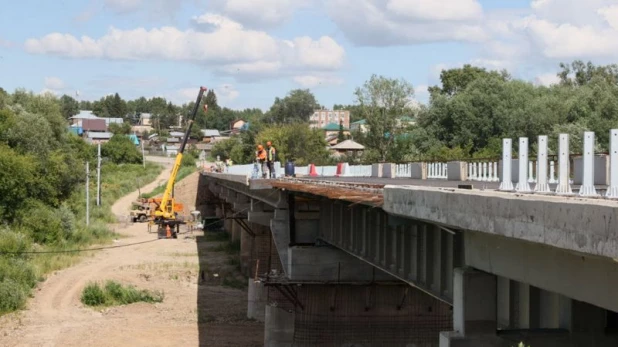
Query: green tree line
{"x": 42, "y": 193}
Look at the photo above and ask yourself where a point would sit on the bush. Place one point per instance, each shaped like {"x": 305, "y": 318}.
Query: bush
{"x": 121, "y": 150}
{"x": 114, "y": 293}
{"x": 188, "y": 160}
{"x": 13, "y": 296}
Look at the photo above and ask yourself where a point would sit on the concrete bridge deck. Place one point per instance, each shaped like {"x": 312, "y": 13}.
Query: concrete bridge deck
{"x": 540, "y": 261}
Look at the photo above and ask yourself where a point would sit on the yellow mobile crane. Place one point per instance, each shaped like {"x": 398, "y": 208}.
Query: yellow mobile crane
{"x": 166, "y": 219}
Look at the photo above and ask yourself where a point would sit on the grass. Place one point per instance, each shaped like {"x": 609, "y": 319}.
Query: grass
{"x": 230, "y": 247}
{"x": 212, "y": 236}
{"x": 114, "y": 293}
{"x": 182, "y": 173}
{"x": 235, "y": 283}
{"x": 19, "y": 273}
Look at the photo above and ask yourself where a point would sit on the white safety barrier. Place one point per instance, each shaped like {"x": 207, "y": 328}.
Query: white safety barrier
{"x": 522, "y": 184}
{"x": 552, "y": 173}
{"x": 612, "y": 190}
{"x": 360, "y": 171}
{"x": 541, "y": 173}
{"x": 437, "y": 170}
{"x": 587, "y": 188}
{"x": 507, "y": 182}
{"x": 403, "y": 170}
{"x": 564, "y": 187}
{"x": 483, "y": 172}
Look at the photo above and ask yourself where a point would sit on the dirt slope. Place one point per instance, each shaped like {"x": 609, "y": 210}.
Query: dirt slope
{"x": 56, "y": 317}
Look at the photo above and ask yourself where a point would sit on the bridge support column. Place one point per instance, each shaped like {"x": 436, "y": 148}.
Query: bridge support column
{"x": 278, "y": 327}
{"x": 474, "y": 310}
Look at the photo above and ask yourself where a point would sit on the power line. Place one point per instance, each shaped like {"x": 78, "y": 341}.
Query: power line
{"x": 78, "y": 250}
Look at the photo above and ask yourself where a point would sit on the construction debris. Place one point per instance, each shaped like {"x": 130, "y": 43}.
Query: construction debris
{"x": 368, "y": 194}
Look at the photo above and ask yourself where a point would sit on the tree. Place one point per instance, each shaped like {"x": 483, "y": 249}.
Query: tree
{"x": 123, "y": 128}
{"x": 382, "y": 102}
{"x": 340, "y": 135}
{"x": 121, "y": 150}
{"x": 456, "y": 80}
{"x": 296, "y": 142}
{"x": 579, "y": 74}
{"x": 297, "y": 106}
{"x": 70, "y": 106}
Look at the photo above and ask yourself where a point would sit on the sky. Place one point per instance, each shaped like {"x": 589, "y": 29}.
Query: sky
{"x": 251, "y": 51}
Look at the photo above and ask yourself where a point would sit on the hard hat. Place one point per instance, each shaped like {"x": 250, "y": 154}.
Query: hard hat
{"x": 268, "y": 143}
{"x": 260, "y": 147}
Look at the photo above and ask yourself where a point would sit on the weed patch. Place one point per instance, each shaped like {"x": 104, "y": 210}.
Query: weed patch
{"x": 114, "y": 293}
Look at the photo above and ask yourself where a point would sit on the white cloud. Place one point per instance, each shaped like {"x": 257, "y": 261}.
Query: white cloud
{"x": 311, "y": 81}
{"x": 107, "y": 82}
{"x": 547, "y": 79}
{"x": 610, "y": 14}
{"x": 54, "y": 83}
{"x": 5, "y": 43}
{"x": 225, "y": 93}
{"x": 229, "y": 48}
{"x": 259, "y": 13}
{"x": 421, "y": 90}
{"x": 430, "y": 10}
{"x": 380, "y": 23}
{"x": 557, "y": 30}
{"x": 123, "y": 6}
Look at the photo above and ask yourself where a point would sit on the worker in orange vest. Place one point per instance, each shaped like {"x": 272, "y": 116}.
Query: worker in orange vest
{"x": 270, "y": 159}
{"x": 260, "y": 158}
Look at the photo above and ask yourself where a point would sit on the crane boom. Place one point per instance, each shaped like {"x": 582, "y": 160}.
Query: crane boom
{"x": 164, "y": 214}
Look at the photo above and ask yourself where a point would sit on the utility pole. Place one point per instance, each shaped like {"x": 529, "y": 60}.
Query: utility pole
{"x": 99, "y": 175}
{"x": 87, "y": 193}
{"x": 143, "y": 156}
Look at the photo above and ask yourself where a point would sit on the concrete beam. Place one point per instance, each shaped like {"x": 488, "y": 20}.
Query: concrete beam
{"x": 261, "y": 218}
{"x": 571, "y": 223}
{"x": 329, "y": 264}
{"x": 590, "y": 279}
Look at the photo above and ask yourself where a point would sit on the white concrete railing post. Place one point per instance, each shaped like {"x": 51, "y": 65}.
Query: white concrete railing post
{"x": 552, "y": 173}
{"x": 522, "y": 185}
{"x": 530, "y": 171}
{"x": 484, "y": 179}
{"x": 470, "y": 177}
{"x": 475, "y": 171}
{"x": 495, "y": 178}
{"x": 612, "y": 190}
{"x": 564, "y": 187}
{"x": 587, "y": 188}
{"x": 541, "y": 173}
{"x": 507, "y": 184}
{"x": 490, "y": 174}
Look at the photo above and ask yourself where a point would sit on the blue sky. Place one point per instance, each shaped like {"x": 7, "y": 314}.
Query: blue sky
{"x": 251, "y": 51}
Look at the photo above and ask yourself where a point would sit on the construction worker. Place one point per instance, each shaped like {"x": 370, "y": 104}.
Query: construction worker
{"x": 271, "y": 157}
{"x": 260, "y": 158}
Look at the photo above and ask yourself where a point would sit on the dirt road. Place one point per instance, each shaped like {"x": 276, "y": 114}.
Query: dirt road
{"x": 56, "y": 317}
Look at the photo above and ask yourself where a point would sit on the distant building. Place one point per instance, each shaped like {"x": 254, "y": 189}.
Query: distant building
{"x": 347, "y": 147}
{"x": 96, "y": 137}
{"x": 331, "y": 132}
{"x": 145, "y": 119}
{"x": 360, "y": 125}
{"x": 237, "y": 125}
{"x": 209, "y": 135}
{"x": 320, "y": 118}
